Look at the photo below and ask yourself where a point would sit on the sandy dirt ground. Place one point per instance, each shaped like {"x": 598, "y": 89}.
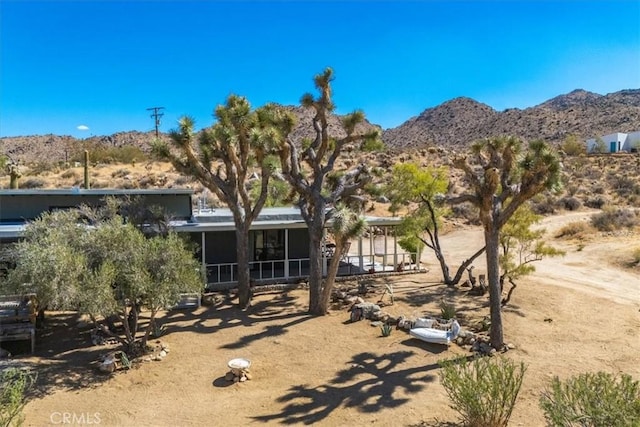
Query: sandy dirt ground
{"x": 575, "y": 314}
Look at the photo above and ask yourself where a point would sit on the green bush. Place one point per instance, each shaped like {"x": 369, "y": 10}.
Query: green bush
{"x": 101, "y": 153}
{"x": 483, "y": 391}
{"x": 411, "y": 244}
{"x": 14, "y": 383}
{"x": 593, "y": 399}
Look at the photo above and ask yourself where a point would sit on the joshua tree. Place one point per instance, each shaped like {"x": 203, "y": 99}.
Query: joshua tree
{"x": 500, "y": 181}
{"x": 223, "y": 163}
{"x": 309, "y": 167}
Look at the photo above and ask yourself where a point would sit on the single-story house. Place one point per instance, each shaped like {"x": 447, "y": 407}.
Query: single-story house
{"x": 616, "y": 142}
{"x": 278, "y": 247}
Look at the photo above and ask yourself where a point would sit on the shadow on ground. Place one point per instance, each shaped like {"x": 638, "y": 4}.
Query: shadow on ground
{"x": 64, "y": 357}
{"x": 224, "y": 314}
{"x": 370, "y": 384}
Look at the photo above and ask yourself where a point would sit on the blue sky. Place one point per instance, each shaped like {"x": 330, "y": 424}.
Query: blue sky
{"x": 101, "y": 64}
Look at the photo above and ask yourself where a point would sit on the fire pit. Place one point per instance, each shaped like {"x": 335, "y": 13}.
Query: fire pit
{"x": 239, "y": 370}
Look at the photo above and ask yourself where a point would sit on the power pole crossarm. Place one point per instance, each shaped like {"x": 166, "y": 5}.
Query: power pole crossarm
{"x": 155, "y": 115}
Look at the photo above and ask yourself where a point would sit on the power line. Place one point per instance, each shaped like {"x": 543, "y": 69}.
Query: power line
{"x": 156, "y": 116}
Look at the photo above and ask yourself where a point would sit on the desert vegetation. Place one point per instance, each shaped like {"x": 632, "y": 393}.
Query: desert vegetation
{"x": 498, "y": 193}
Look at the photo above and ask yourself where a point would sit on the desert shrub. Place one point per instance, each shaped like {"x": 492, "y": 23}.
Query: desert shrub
{"x": 596, "y": 202}
{"x": 635, "y": 257}
{"x": 598, "y": 189}
{"x": 570, "y": 203}
{"x": 572, "y": 190}
{"x": 148, "y": 181}
{"x": 483, "y": 391}
{"x": 120, "y": 173}
{"x": 14, "y": 383}
{"x": 592, "y": 399}
{"x": 32, "y": 183}
{"x": 183, "y": 180}
{"x": 577, "y": 229}
{"x": 572, "y": 146}
{"x": 615, "y": 218}
{"x": 543, "y": 204}
{"x": 41, "y": 167}
{"x": 100, "y": 153}
{"x": 70, "y": 173}
{"x": 466, "y": 211}
{"x": 624, "y": 185}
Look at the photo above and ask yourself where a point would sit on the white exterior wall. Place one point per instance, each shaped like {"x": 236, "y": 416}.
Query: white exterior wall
{"x": 624, "y": 141}
{"x": 618, "y": 138}
{"x": 632, "y": 141}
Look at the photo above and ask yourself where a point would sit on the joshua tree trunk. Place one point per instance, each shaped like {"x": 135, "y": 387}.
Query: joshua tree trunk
{"x": 492, "y": 239}
{"x": 242, "y": 252}
{"x": 315, "y": 273}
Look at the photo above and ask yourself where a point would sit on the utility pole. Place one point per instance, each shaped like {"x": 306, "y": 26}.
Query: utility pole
{"x": 156, "y": 116}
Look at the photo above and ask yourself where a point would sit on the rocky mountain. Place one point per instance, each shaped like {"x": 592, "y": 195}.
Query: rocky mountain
{"x": 453, "y": 124}
{"x": 458, "y": 122}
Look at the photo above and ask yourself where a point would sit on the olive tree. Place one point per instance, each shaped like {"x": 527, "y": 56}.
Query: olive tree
{"x": 103, "y": 268}
{"x": 421, "y": 192}
{"x": 501, "y": 177}
{"x": 521, "y": 245}
{"x": 309, "y": 167}
{"x": 222, "y": 159}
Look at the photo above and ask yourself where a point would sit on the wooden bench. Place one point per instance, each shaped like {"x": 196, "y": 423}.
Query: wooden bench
{"x": 17, "y": 318}
{"x": 19, "y": 332}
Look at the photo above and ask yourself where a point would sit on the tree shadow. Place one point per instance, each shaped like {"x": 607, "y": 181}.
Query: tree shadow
{"x": 369, "y": 385}
{"x": 65, "y": 357}
{"x": 225, "y": 314}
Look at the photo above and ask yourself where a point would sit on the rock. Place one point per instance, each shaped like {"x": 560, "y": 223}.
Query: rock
{"x": 376, "y": 323}
{"x": 243, "y": 378}
{"x": 248, "y": 375}
{"x": 4, "y": 353}
{"x": 163, "y": 353}
{"x": 493, "y": 352}
{"x": 511, "y": 346}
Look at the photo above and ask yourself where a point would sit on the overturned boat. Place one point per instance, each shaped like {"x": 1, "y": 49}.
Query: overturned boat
{"x": 432, "y": 331}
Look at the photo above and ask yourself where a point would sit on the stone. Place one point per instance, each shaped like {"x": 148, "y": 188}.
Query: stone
{"x": 243, "y": 378}
{"x": 248, "y": 375}
{"x": 163, "y": 353}
{"x": 511, "y": 346}
{"x": 376, "y": 323}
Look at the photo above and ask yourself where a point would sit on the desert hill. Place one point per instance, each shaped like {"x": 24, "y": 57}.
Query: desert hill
{"x": 453, "y": 124}
{"x": 460, "y": 121}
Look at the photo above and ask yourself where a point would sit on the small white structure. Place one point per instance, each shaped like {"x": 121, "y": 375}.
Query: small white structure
{"x": 615, "y": 142}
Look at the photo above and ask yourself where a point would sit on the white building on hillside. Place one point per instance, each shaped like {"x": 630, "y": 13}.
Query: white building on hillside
{"x": 615, "y": 142}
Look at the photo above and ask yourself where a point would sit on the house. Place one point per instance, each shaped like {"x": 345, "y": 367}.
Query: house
{"x": 615, "y": 142}
{"x": 278, "y": 243}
